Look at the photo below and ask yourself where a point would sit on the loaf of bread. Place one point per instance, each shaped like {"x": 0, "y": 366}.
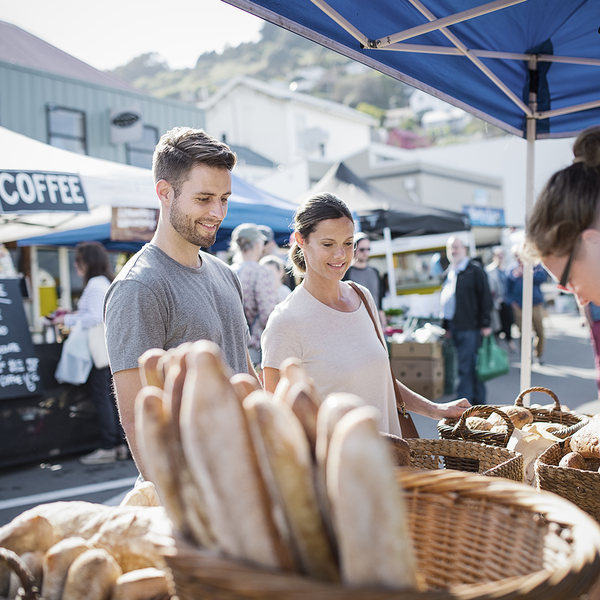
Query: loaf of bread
{"x": 287, "y": 466}
{"x": 375, "y": 548}
{"x": 91, "y": 576}
{"x": 519, "y": 415}
{"x": 305, "y": 405}
{"x": 244, "y": 384}
{"x": 143, "y": 584}
{"x": 218, "y": 448}
{"x": 57, "y": 561}
{"x": 586, "y": 441}
{"x": 143, "y": 494}
{"x": 574, "y": 460}
{"x": 400, "y": 449}
{"x": 150, "y": 373}
{"x": 479, "y": 424}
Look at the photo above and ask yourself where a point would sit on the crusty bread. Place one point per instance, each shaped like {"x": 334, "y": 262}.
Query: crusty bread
{"x": 34, "y": 562}
{"x": 305, "y": 405}
{"x": 57, "y": 561}
{"x": 373, "y": 536}
{"x": 91, "y": 576}
{"x": 519, "y": 415}
{"x": 143, "y": 584}
{"x": 244, "y": 384}
{"x": 143, "y": 494}
{"x": 218, "y": 448}
{"x": 28, "y": 532}
{"x": 400, "y": 449}
{"x": 287, "y": 466}
{"x": 573, "y": 460}
{"x": 479, "y": 424}
{"x": 150, "y": 373}
{"x": 176, "y": 489}
{"x": 586, "y": 441}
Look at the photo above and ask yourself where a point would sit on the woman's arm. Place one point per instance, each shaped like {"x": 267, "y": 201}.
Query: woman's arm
{"x": 270, "y": 378}
{"x": 422, "y": 406}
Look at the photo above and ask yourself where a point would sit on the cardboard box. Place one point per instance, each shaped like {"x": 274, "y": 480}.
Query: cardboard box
{"x": 409, "y": 371}
{"x": 431, "y": 390}
{"x": 416, "y": 350}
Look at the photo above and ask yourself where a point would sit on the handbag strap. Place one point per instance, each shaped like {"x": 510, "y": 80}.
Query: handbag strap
{"x": 400, "y": 404}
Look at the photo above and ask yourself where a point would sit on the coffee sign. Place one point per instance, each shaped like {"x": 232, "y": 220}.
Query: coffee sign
{"x": 36, "y": 191}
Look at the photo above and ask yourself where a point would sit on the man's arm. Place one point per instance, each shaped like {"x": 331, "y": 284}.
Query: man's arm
{"x": 127, "y": 385}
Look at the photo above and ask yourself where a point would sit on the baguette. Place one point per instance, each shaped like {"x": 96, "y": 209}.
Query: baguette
{"x": 143, "y": 584}
{"x": 91, "y": 576}
{"x": 368, "y": 507}
{"x": 305, "y": 405}
{"x": 57, "y": 561}
{"x": 244, "y": 384}
{"x": 172, "y": 479}
{"x": 218, "y": 448}
{"x": 150, "y": 373}
{"x": 286, "y": 462}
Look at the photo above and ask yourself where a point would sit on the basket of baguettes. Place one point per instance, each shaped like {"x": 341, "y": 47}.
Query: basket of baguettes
{"x": 279, "y": 496}
{"x": 475, "y": 427}
{"x": 571, "y": 468}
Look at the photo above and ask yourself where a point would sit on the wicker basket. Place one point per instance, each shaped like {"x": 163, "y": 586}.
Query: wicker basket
{"x": 580, "y": 487}
{"x": 457, "y": 429}
{"x": 475, "y": 538}
{"x": 466, "y": 456}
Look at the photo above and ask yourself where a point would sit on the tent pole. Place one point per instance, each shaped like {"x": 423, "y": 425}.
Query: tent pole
{"x": 65, "y": 278}
{"x": 389, "y": 257}
{"x": 35, "y": 289}
{"x": 527, "y": 301}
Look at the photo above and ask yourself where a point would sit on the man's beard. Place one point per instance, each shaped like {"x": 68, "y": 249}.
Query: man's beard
{"x": 186, "y": 228}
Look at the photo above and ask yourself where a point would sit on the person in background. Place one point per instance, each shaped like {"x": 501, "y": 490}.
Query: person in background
{"x": 514, "y": 295}
{"x": 270, "y": 246}
{"x": 324, "y": 323}
{"x": 592, "y": 314}
{"x": 93, "y": 266}
{"x": 361, "y": 272}
{"x": 277, "y": 265}
{"x": 502, "y": 314}
{"x": 258, "y": 283}
{"x": 466, "y": 304}
{"x": 171, "y": 291}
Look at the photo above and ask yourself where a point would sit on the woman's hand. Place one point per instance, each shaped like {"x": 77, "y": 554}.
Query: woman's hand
{"x": 454, "y": 409}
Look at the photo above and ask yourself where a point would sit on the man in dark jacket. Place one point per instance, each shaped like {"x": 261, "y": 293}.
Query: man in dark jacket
{"x": 466, "y": 304}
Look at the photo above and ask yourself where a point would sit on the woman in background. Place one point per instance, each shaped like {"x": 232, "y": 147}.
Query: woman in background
{"x": 324, "y": 323}
{"x": 93, "y": 266}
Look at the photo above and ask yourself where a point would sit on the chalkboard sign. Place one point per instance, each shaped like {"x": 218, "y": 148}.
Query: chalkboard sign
{"x": 18, "y": 363}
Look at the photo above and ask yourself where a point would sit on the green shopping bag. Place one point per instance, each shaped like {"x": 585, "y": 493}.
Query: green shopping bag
{"x": 492, "y": 361}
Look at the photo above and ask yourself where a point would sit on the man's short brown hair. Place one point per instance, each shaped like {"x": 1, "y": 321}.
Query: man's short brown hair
{"x": 182, "y": 148}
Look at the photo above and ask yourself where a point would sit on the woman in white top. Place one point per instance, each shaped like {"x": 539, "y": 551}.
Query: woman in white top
{"x": 93, "y": 266}
{"x": 325, "y": 325}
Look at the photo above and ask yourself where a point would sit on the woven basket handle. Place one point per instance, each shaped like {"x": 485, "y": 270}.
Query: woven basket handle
{"x": 13, "y": 561}
{"x": 519, "y": 400}
{"x": 486, "y": 410}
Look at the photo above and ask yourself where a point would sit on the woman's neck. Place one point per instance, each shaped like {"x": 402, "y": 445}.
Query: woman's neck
{"x": 332, "y": 293}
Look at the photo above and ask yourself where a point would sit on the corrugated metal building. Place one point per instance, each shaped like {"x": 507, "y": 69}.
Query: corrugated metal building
{"x": 51, "y": 96}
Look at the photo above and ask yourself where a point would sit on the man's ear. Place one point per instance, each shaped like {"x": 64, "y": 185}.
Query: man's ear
{"x": 165, "y": 192}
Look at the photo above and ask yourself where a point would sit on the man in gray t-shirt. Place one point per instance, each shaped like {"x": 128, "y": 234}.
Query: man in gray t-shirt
{"x": 170, "y": 292}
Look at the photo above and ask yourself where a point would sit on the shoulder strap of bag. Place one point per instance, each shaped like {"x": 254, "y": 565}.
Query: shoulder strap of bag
{"x": 399, "y": 400}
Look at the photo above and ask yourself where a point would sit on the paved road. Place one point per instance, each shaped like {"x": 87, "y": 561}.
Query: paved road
{"x": 568, "y": 371}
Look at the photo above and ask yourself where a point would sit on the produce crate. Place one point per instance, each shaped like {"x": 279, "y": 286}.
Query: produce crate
{"x": 475, "y": 538}
{"x": 457, "y": 429}
{"x": 580, "y": 487}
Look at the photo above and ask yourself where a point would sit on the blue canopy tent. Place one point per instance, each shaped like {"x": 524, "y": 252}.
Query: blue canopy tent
{"x": 530, "y": 67}
{"x": 247, "y": 204}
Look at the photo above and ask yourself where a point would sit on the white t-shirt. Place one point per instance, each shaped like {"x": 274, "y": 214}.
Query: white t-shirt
{"x": 339, "y": 350}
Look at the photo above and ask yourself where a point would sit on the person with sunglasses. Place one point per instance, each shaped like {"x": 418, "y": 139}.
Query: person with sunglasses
{"x": 563, "y": 229}
{"x": 360, "y": 272}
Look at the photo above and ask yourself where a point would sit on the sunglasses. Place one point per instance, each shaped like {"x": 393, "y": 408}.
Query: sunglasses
{"x": 564, "y": 280}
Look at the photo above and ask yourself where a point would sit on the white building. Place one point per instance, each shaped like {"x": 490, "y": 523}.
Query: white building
{"x": 285, "y": 126}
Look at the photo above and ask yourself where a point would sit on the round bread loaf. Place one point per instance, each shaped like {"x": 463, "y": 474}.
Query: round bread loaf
{"x": 586, "y": 441}
{"x": 479, "y": 424}
{"x": 574, "y": 460}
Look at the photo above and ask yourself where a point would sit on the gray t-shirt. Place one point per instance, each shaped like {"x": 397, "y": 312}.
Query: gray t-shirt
{"x": 156, "y": 302}
{"x": 367, "y": 277}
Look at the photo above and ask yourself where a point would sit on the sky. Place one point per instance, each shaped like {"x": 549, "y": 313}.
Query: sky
{"x": 110, "y": 33}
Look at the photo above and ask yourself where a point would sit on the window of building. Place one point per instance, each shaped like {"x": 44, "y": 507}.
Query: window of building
{"x": 66, "y": 128}
{"x": 139, "y": 154}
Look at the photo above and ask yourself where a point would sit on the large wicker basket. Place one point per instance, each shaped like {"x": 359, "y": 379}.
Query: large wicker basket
{"x": 471, "y": 457}
{"x": 457, "y": 429}
{"x": 475, "y": 538}
{"x": 580, "y": 487}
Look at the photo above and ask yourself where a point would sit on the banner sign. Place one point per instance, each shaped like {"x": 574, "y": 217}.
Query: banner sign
{"x": 484, "y": 216}
{"x": 133, "y": 224}
{"x": 18, "y": 363}
{"x": 36, "y": 191}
